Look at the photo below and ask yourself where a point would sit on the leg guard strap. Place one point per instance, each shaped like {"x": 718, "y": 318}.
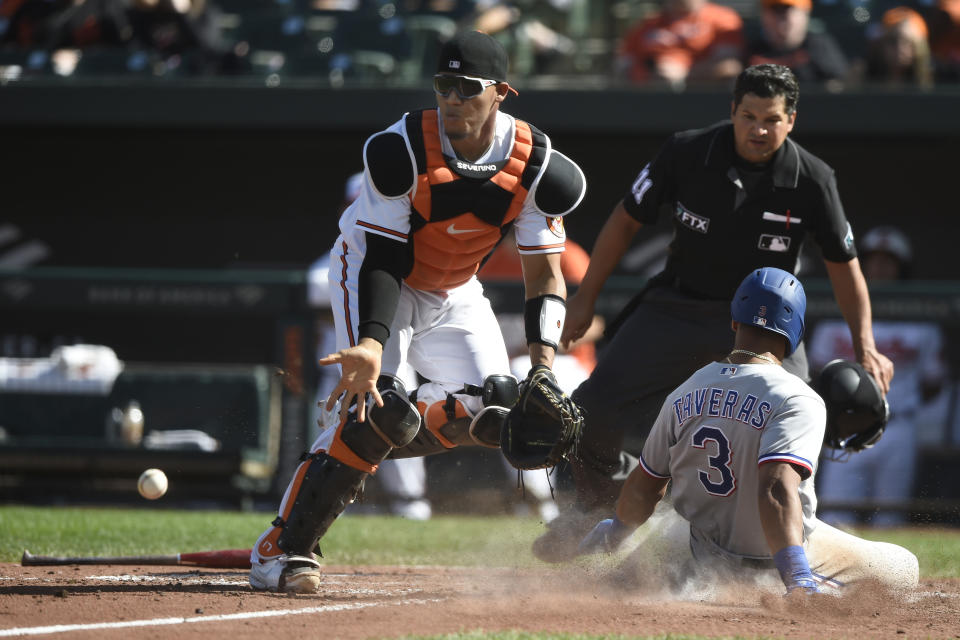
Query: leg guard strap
{"x": 424, "y": 444}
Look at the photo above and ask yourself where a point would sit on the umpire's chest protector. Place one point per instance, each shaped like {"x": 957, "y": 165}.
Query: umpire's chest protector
{"x": 459, "y": 210}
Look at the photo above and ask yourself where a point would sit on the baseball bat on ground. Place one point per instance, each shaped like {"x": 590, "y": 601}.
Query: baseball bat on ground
{"x": 222, "y": 559}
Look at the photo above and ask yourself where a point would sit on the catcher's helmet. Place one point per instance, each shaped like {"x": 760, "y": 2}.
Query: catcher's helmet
{"x": 857, "y": 412}
{"x": 772, "y": 299}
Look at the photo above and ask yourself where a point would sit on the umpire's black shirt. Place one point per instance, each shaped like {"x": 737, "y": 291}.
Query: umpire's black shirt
{"x": 730, "y": 217}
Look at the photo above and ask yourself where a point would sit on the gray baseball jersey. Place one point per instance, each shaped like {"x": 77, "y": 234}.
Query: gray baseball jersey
{"x": 713, "y": 433}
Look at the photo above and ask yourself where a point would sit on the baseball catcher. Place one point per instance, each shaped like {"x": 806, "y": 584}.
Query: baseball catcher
{"x": 857, "y": 412}
{"x": 544, "y": 425}
{"x": 442, "y": 186}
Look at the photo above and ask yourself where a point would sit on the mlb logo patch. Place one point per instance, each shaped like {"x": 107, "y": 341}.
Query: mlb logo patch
{"x": 770, "y": 242}
{"x": 728, "y": 371}
{"x": 760, "y": 321}
{"x": 454, "y": 64}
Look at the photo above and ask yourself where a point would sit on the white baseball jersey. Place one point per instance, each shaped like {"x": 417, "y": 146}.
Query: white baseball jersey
{"x": 915, "y": 348}
{"x": 713, "y": 433}
{"x": 371, "y": 212}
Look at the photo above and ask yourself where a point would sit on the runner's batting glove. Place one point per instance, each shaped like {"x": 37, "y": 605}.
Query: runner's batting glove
{"x": 605, "y": 537}
{"x": 794, "y": 570}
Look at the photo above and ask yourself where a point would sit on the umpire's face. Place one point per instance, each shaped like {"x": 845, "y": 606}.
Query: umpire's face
{"x": 760, "y": 125}
{"x": 465, "y": 117}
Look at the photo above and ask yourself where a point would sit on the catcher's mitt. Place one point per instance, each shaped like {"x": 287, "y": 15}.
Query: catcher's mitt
{"x": 544, "y": 425}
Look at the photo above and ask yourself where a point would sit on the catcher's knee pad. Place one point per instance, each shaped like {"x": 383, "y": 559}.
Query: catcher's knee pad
{"x": 448, "y": 421}
{"x": 486, "y": 426}
{"x": 500, "y": 391}
{"x": 365, "y": 444}
{"x": 319, "y": 492}
{"x": 397, "y": 420}
{"x": 499, "y": 394}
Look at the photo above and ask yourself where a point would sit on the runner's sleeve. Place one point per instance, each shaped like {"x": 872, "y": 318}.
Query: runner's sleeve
{"x": 793, "y": 433}
{"x": 655, "y": 456}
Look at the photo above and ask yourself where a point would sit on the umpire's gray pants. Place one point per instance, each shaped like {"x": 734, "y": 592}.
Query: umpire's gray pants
{"x": 667, "y": 337}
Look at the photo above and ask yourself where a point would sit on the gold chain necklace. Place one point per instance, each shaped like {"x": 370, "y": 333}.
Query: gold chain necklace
{"x": 752, "y": 355}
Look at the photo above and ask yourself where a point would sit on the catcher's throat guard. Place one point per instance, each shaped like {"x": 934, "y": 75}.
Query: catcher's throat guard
{"x": 544, "y": 426}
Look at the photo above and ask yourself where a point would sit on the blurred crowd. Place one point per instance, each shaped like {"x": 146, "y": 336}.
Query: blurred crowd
{"x": 661, "y": 43}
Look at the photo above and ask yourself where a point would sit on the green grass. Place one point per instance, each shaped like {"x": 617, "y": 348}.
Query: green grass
{"x": 444, "y": 540}
{"x": 937, "y": 549}
{"x": 353, "y": 539}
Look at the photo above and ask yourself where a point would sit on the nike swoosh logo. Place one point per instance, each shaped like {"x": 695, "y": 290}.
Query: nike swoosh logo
{"x": 452, "y": 230}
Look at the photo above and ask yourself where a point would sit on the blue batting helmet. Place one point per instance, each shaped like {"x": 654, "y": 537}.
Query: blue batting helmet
{"x": 772, "y": 299}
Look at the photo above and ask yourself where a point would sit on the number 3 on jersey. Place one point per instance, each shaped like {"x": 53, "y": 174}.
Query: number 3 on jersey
{"x": 719, "y": 462}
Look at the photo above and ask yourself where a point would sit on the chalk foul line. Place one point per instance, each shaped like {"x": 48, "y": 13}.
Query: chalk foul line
{"x": 157, "y": 622}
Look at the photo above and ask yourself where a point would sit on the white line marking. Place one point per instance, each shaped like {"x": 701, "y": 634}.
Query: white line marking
{"x": 156, "y": 622}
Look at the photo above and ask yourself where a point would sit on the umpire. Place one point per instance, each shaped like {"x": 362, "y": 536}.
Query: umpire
{"x": 742, "y": 195}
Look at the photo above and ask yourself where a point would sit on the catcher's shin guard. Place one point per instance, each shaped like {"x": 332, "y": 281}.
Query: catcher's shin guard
{"x": 321, "y": 490}
{"x": 325, "y": 483}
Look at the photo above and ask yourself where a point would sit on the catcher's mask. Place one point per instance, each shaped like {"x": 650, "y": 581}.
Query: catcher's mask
{"x": 772, "y": 299}
{"x": 857, "y": 412}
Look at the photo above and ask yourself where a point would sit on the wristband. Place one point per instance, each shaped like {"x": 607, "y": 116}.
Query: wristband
{"x": 794, "y": 569}
{"x": 619, "y": 531}
{"x": 543, "y": 319}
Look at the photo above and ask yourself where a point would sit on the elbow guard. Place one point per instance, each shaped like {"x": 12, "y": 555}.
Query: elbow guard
{"x": 543, "y": 319}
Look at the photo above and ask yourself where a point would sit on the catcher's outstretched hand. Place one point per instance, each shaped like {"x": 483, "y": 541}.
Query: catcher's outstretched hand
{"x": 360, "y": 368}
{"x": 605, "y": 537}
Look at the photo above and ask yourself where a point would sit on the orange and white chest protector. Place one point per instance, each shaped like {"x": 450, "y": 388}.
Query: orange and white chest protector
{"x": 459, "y": 209}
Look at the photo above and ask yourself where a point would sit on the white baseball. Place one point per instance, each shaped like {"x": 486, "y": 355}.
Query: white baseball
{"x": 152, "y": 484}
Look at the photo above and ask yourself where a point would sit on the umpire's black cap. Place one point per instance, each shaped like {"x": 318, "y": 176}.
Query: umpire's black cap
{"x": 474, "y": 53}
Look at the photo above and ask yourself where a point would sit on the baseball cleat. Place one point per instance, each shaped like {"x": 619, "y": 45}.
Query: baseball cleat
{"x": 286, "y": 573}
{"x": 564, "y": 534}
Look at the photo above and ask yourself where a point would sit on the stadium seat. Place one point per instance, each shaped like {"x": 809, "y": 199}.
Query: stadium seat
{"x": 268, "y": 29}
{"x": 15, "y": 64}
{"x": 426, "y": 32}
{"x": 114, "y": 62}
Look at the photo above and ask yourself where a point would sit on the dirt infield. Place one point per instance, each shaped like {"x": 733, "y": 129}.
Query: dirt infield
{"x": 385, "y": 602}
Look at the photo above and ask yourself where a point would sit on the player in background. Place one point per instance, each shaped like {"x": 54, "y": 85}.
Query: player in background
{"x": 742, "y": 194}
{"x": 884, "y": 473}
{"x": 441, "y": 187}
{"x": 739, "y": 442}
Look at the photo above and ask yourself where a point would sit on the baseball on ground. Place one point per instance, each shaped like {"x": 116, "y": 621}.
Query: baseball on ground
{"x": 152, "y": 484}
